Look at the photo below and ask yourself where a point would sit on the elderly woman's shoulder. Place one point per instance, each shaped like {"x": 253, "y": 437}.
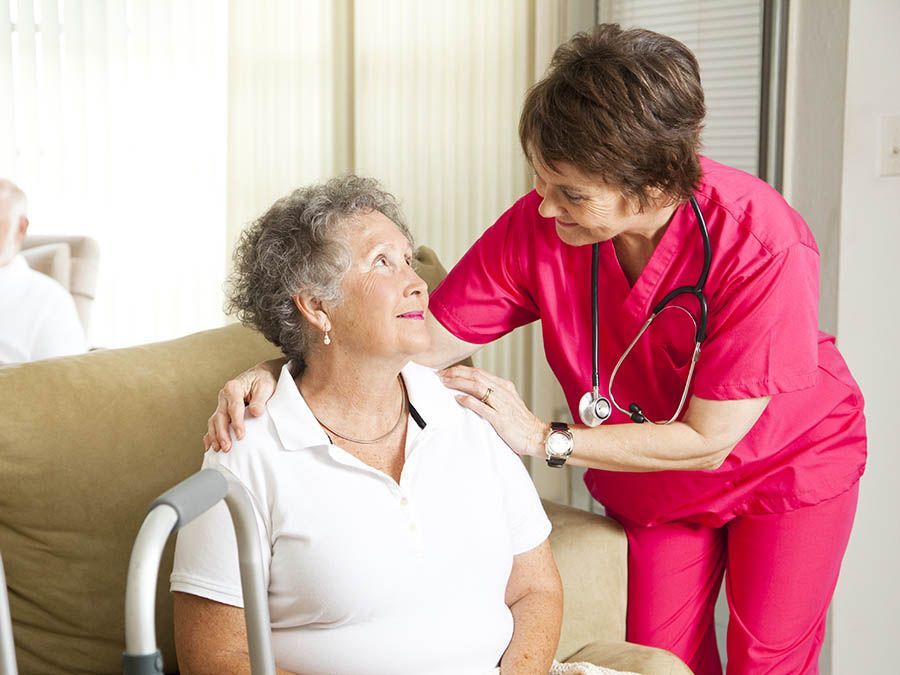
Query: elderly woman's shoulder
{"x": 426, "y": 388}
{"x": 423, "y": 384}
{"x": 259, "y": 445}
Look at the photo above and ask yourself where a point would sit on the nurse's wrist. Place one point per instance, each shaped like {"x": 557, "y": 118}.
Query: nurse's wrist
{"x": 537, "y": 447}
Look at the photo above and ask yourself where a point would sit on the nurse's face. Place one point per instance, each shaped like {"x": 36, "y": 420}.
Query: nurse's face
{"x": 382, "y": 314}
{"x": 585, "y": 210}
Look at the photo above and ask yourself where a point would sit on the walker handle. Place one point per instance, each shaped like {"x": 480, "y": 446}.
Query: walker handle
{"x": 194, "y": 496}
{"x": 172, "y": 510}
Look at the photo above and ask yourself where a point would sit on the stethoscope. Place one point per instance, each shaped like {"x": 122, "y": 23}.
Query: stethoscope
{"x": 596, "y": 409}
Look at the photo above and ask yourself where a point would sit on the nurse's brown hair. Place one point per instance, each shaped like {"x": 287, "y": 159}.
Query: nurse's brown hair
{"x": 625, "y": 106}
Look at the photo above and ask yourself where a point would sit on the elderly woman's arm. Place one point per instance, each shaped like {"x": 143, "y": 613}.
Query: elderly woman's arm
{"x": 534, "y": 596}
{"x": 211, "y": 638}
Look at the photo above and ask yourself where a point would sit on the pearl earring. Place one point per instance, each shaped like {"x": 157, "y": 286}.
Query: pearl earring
{"x": 327, "y": 339}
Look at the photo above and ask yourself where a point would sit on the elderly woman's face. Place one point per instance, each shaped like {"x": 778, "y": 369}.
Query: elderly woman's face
{"x": 586, "y": 212}
{"x": 383, "y": 310}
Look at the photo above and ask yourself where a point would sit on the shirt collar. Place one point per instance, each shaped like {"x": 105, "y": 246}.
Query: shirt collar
{"x": 298, "y": 428}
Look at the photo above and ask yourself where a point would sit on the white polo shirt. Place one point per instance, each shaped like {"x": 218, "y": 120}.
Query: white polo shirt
{"x": 38, "y": 319}
{"x": 366, "y": 576}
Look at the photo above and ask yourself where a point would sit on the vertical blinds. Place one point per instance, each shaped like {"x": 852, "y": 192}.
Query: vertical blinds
{"x": 437, "y": 97}
{"x": 726, "y": 36}
{"x": 149, "y": 124}
{"x": 112, "y": 119}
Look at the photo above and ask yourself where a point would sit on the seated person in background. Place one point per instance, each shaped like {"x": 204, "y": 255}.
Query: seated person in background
{"x": 399, "y": 533}
{"x": 38, "y": 319}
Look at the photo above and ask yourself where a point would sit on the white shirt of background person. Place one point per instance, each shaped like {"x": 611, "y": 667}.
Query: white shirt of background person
{"x": 38, "y": 319}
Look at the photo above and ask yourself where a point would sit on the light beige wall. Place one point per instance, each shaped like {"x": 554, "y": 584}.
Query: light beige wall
{"x": 843, "y": 78}
{"x": 814, "y": 131}
{"x": 814, "y": 143}
{"x": 867, "y": 604}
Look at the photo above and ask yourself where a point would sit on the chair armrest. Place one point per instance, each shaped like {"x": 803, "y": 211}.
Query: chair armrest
{"x": 53, "y": 260}
{"x": 592, "y": 554}
{"x": 82, "y": 268}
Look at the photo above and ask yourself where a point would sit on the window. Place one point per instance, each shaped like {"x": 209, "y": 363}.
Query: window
{"x": 113, "y": 121}
{"x": 727, "y": 38}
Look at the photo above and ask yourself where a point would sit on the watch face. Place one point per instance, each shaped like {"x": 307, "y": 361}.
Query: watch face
{"x": 558, "y": 444}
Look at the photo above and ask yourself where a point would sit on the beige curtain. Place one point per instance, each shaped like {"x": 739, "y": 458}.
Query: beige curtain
{"x": 113, "y": 120}
{"x": 421, "y": 94}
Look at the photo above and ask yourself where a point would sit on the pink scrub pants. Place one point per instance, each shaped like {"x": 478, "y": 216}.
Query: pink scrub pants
{"x": 782, "y": 569}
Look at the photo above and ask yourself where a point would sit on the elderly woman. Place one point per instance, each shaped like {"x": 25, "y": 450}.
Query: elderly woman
{"x": 628, "y": 223}
{"x": 400, "y": 534}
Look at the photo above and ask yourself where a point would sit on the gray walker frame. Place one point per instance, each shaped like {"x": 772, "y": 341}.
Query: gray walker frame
{"x": 7, "y": 648}
{"x": 169, "y": 512}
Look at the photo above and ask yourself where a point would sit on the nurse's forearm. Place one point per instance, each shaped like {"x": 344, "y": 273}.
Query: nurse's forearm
{"x": 645, "y": 447}
{"x": 702, "y": 441}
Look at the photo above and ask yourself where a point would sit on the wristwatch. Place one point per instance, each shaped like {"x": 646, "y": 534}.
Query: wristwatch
{"x": 559, "y": 444}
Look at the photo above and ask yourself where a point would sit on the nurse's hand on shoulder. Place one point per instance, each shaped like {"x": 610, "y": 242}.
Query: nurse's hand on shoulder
{"x": 497, "y": 401}
{"x": 252, "y": 388}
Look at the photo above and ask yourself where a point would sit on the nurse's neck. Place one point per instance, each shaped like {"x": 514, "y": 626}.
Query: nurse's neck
{"x": 635, "y": 245}
{"x": 647, "y": 227}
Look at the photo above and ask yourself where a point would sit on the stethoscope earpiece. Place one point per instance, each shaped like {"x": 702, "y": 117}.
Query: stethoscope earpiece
{"x": 637, "y": 415}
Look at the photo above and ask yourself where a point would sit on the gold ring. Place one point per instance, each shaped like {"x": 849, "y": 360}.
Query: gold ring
{"x": 487, "y": 395}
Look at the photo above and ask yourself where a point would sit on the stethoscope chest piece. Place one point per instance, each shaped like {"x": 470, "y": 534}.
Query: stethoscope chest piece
{"x": 594, "y": 409}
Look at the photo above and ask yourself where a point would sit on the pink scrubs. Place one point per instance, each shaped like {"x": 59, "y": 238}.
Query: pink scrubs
{"x": 807, "y": 450}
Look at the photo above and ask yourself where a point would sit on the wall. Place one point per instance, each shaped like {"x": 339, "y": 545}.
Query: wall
{"x": 813, "y": 151}
{"x": 867, "y": 605}
{"x": 814, "y": 131}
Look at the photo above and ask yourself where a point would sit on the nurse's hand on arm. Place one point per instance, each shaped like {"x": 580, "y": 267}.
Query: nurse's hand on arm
{"x": 253, "y": 388}
{"x": 701, "y": 441}
{"x": 534, "y": 596}
{"x": 210, "y": 637}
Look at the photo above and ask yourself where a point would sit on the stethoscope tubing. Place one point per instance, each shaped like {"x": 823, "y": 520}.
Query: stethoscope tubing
{"x": 595, "y": 318}
{"x": 697, "y": 290}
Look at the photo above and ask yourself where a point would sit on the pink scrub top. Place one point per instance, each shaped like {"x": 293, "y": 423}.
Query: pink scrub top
{"x": 763, "y": 340}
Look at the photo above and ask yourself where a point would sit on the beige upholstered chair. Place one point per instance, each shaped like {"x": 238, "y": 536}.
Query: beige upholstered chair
{"x": 72, "y": 261}
{"x": 87, "y": 442}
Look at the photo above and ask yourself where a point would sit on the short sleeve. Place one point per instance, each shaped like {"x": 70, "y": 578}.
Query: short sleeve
{"x": 206, "y": 555}
{"x": 763, "y": 331}
{"x": 485, "y": 296}
{"x": 528, "y": 523}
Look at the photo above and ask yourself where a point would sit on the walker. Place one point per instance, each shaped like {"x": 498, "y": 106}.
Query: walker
{"x": 7, "y": 648}
{"x": 168, "y": 513}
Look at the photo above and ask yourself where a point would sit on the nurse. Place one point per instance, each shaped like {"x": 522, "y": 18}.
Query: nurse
{"x": 758, "y": 474}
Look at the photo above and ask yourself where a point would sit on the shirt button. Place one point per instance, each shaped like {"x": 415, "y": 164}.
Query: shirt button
{"x": 403, "y": 501}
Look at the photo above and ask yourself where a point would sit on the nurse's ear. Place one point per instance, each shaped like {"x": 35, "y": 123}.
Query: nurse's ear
{"x": 313, "y": 310}
{"x": 656, "y": 199}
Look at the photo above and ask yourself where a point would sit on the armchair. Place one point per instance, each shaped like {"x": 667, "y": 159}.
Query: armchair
{"x": 72, "y": 261}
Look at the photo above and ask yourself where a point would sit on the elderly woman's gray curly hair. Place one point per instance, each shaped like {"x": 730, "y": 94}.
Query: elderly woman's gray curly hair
{"x": 300, "y": 246}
